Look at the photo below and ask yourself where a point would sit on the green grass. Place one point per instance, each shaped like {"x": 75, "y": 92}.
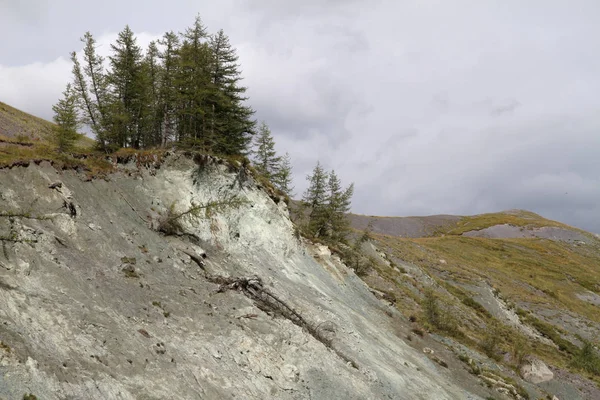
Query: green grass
{"x": 16, "y": 123}
{"x": 536, "y": 273}
{"x": 587, "y": 359}
{"x": 482, "y": 221}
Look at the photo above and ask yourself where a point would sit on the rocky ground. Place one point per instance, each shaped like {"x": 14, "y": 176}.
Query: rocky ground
{"x": 97, "y": 303}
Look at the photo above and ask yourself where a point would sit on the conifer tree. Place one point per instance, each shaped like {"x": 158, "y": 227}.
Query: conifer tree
{"x": 338, "y": 205}
{"x": 153, "y": 117}
{"x": 91, "y": 88}
{"x": 266, "y": 160}
{"x": 128, "y": 84}
{"x": 315, "y": 198}
{"x": 168, "y": 96}
{"x": 231, "y": 118}
{"x": 187, "y": 91}
{"x": 283, "y": 177}
{"x": 193, "y": 80}
{"x": 66, "y": 119}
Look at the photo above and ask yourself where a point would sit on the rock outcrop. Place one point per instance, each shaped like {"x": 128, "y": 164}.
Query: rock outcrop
{"x": 536, "y": 371}
{"x": 96, "y": 303}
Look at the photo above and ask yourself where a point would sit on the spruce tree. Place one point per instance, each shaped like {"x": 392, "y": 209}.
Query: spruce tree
{"x": 266, "y": 160}
{"x": 231, "y": 119}
{"x": 283, "y": 177}
{"x": 153, "y": 117}
{"x": 338, "y": 205}
{"x": 315, "y": 198}
{"x": 66, "y": 119}
{"x": 189, "y": 91}
{"x": 128, "y": 85}
{"x": 91, "y": 87}
{"x": 168, "y": 92}
{"x": 193, "y": 80}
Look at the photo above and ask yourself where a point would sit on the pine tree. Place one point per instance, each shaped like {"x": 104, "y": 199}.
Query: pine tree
{"x": 168, "y": 95}
{"x": 91, "y": 87}
{"x": 193, "y": 81}
{"x": 283, "y": 177}
{"x": 338, "y": 205}
{"x": 266, "y": 160}
{"x": 315, "y": 198}
{"x": 189, "y": 91}
{"x": 231, "y": 119}
{"x": 66, "y": 119}
{"x": 127, "y": 84}
{"x": 153, "y": 117}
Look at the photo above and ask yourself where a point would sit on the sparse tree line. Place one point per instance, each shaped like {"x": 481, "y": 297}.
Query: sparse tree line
{"x": 327, "y": 203}
{"x": 184, "y": 88}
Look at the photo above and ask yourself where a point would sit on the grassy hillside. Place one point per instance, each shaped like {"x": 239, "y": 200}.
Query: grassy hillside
{"x": 539, "y": 295}
{"x": 520, "y": 218}
{"x": 20, "y": 125}
{"x": 17, "y": 126}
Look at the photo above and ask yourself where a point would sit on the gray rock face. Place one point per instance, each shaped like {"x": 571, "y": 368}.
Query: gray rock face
{"x": 96, "y": 304}
{"x": 546, "y": 232}
{"x": 536, "y": 371}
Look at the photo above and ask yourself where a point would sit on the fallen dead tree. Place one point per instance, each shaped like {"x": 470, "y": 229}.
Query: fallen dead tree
{"x": 252, "y": 287}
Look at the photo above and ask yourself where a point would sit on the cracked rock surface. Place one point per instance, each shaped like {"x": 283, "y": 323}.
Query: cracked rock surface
{"x": 95, "y": 303}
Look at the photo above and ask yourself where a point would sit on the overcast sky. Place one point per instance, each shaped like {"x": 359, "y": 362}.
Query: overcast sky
{"x": 429, "y": 107}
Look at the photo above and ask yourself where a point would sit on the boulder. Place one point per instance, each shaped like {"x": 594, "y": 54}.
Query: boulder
{"x": 536, "y": 371}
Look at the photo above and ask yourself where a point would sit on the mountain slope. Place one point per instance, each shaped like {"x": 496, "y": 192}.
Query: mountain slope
{"x": 18, "y": 127}
{"x": 18, "y": 124}
{"x": 116, "y": 288}
{"x": 524, "y": 281}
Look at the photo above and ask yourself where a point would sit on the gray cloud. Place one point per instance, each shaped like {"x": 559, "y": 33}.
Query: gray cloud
{"x": 428, "y": 107}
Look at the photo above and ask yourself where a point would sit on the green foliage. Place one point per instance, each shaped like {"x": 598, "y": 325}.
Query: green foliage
{"x": 29, "y": 396}
{"x": 328, "y": 205}
{"x": 283, "y": 178}
{"x": 431, "y": 309}
{"x": 587, "y": 359}
{"x": 187, "y": 92}
{"x": 170, "y": 223}
{"x": 315, "y": 199}
{"x": 436, "y": 318}
{"x": 520, "y": 349}
{"x": 67, "y": 121}
{"x": 491, "y": 340}
{"x": 551, "y": 333}
{"x": 266, "y": 161}
{"x": 470, "y": 302}
{"x": 338, "y": 205}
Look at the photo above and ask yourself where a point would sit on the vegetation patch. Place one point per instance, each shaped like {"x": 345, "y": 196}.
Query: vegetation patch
{"x": 519, "y": 218}
{"x": 587, "y": 359}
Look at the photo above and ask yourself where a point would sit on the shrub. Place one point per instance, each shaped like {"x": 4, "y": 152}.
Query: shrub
{"x": 431, "y": 309}
{"x": 519, "y": 350}
{"x": 489, "y": 344}
{"x": 587, "y": 359}
{"x": 470, "y": 302}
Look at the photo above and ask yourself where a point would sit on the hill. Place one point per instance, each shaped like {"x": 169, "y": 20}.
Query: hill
{"x": 506, "y": 284}
{"x": 17, "y": 124}
{"x": 124, "y": 288}
{"x": 18, "y": 127}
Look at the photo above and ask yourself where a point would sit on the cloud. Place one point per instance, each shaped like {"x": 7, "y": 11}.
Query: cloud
{"x": 35, "y": 87}
{"x": 428, "y": 107}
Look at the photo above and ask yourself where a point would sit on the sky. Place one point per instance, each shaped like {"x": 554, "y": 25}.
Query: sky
{"x": 429, "y": 107}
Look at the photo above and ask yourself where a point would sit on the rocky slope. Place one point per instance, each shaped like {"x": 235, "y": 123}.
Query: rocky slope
{"x": 517, "y": 293}
{"x": 97, "y": 303}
